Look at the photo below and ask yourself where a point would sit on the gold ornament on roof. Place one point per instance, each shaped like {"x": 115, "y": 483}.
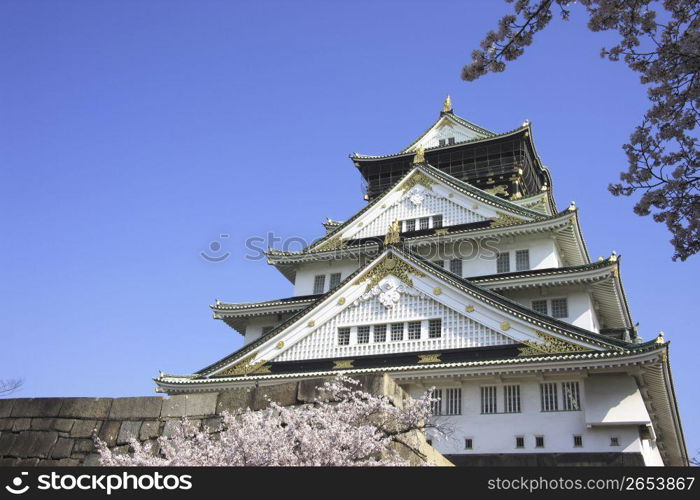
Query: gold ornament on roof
{"x": 447, "y": 105}
{"x": 390, "y": 265}
{"x": 335, "y": 243}
{"x": 660, "y": 338}
{"x": 393, "y": 235}
{"x": 505, "y": 220}
{"x": 343, "y": 364}
{"x": 416, "y": 179}
{"x": 420, "y": 155}
{"x": 549, "y": 345}
{"x": 429, "y": 358}
{"x": 246, "y": 366}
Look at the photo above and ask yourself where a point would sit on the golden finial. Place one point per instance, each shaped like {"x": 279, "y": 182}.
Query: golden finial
{"x": 420, "y": 155}
{"x": 660, "y": 338}
{"x": 393, "y": 236}
{"x": 447, "y": 105}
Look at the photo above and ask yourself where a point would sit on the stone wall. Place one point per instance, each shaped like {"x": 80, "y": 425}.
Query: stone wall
{"x": 58, "y": 431}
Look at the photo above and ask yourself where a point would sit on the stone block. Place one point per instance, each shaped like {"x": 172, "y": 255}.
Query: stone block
{"x": 149, "y": 429}
{"x": 7, "y": 462}
{"x": 95, "y": 408}
{"x": 109, "y": 432}
{"x": 190, "y": 405}
{"x": 31, "y": 444}
{"x": 36, "y": 407}
{"x": 85, "y": 428}
{"x": 6, "y": 424}
{"x": 308, "y": 389}
{"x": 136, "y": 408}
{"x": 283, "y": 394}
{"x": 27, "y": 462}
{"x": 63, "y": 424}
{"x": 129, "y": 430}
{"x": 6, "y": 407}
{"x": 121, "y": 450}
{"x": 41, "y": 424}
{"x": 63, "y": 448}
{"x": 83, "y": 446}
{"x": 64, "y": 462}
{"x": 211, "y": 424}
{"x": 43, "y": 444}
{"x": 22, "y": 424}
{"x": 233, "y": 400}
{"x": 7, "y": 441}
{"x": 92, "y": 460}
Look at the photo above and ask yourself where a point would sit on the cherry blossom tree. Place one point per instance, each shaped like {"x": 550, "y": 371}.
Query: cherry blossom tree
{"x": 661, "y": 41}
{"x": 345, "y": 426}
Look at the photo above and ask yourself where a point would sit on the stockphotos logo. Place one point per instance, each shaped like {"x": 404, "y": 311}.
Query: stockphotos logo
{"x": 107, "y": 483}
{"x": 16, "y": 488}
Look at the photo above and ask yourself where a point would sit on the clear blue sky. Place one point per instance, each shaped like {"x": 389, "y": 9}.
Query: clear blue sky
{"x": 133, "y": 133}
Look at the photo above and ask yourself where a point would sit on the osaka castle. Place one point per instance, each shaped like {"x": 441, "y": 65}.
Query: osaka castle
{"x": 461, "y": 273}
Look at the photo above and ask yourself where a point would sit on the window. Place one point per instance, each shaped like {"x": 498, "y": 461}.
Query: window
{"x": 319, "y": 283}
{"x": 539, "y": 441}
{"x": 380, "y": 333}
{"x": 453, "y": 401}
{"x": 436, "y": 405}
{"x": 424, "y": 222}
{"x": 437, "y": 221}
{"x": 519, "y": 442}
{"x": 468, "y": 443}
{"x": 363, "y": 334}
{"x": 571, "y": 398}
{"x": 548, "y": 396}
{"x": 540, "y": 306}
{"x": 614, "y": 441}
{"x": 397, "y": 331}
{"x": 335, "y": 280}
{"x": 441, "y": 142}
{"x": 488, "y": 399}
{"x": 450, "y": 140}
{"x": 511, "y": 398}
{"x": 435, "y": 328}
{"x": 414, "y": 330}
{"x": 343, "y": 336}
{"x": 522, "y": 260}
{"x": 440, "y": 263}
{"x": 560, "y": 308}
{"x": 503, "y": 262}
{"x": 410, "y": 225}
{"x": 578, "y": 441}
{"x": 456, "y": 266}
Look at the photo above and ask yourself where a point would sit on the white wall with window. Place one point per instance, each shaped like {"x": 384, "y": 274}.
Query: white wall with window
{"x": 479, "y": 259}
{"x": 307, "y": 277}
{"x": 497, "y": 429}
{"x": 570, "y": 304}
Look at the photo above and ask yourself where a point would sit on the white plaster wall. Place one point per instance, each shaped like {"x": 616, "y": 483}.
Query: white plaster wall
{"x": 304, "y": 282}
{"x": 479, "y": 257}
{"x": 496, "y": 433}
{"x": 580, "y": 305}
{"x": 253, "y": 329}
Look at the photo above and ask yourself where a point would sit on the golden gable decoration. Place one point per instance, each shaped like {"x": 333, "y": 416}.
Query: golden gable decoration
{"x": 549, "y": 345}
{"x": 335, "y": 243}
{"x": 390, "y": 265}
{"x": 416, "y": 179}
{"x": 505, "y": 220}
{"x": 246, "y": 366}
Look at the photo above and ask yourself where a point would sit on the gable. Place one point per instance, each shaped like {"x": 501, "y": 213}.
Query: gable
{"x": 458, "y": 331}
{"x": 420, "y": 195}
{"x": 447, "y": 127}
